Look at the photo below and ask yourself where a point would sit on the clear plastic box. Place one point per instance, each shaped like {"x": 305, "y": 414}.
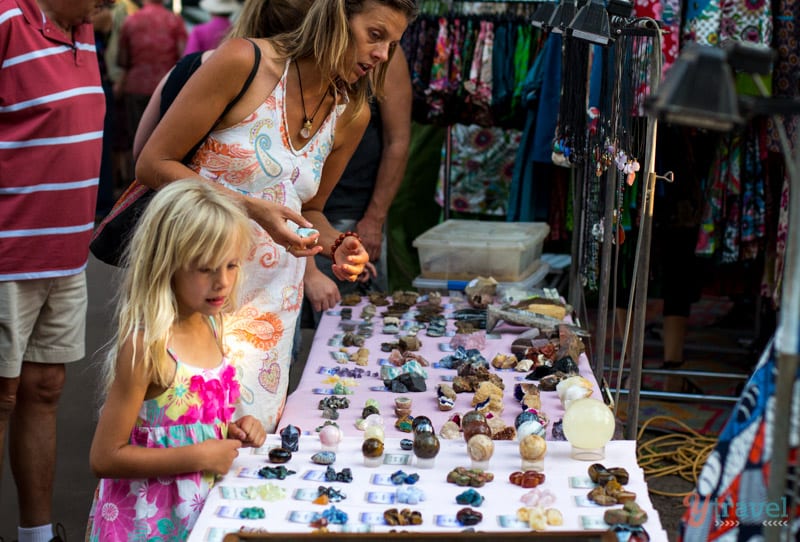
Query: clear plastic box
{"x": 464, "y": 249}
{"x": 530, "y": 283}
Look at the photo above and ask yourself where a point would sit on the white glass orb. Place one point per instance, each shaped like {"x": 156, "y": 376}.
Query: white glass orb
{"x": 588, "y": 425}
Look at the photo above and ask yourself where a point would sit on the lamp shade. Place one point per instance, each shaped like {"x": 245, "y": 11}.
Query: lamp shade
{"x": 541, "y": 17}
{"x": 591, "y": 24}
{"x": 563, "y": 15}
{"x": 698, "y": 90}
{"x": 588, "y": 425}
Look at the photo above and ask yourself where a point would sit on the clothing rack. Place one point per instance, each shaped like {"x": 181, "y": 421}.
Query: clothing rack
{"x": 461, "y": 9}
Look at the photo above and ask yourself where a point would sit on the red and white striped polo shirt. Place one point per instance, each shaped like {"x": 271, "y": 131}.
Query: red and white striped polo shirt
{"x": 51, "y": 129}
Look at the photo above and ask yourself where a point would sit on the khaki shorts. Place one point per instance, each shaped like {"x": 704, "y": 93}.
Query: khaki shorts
{"x": 42, "y": 321}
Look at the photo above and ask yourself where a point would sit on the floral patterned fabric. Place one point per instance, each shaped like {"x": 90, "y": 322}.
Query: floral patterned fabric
{"x": 257, "y": 157}
{"x": 481, "y": 169}
{"x": 195, "y": 408}
{"x": 712, "y": 22}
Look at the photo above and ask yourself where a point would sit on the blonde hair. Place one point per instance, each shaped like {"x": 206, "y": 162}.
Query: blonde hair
{"x": 325, "y": 36}
{"x": 266, "y": 18}
{"x": 187, "y": 223}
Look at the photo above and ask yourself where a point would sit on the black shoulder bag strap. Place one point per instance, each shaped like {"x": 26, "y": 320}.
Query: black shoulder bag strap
{"x": 233, "y": 102}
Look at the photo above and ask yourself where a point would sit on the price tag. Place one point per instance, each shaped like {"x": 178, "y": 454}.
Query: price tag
{"x": 446, "y": 521}
{"x": 229, "y": 512}
{"x": 306, "y": 494}
{"x": 396, "y": 459}
{"x": 217, "y": 534}
{"x": 511, "y": 522}
{"x": 322, "y": 391}
{"x": 248, "y": 472}
{"x": 581, "y": 482}
{"x": 593, "y": 522}
{"x": 301, "y": 516}
{"x": 314, "y": 476}
{"x": 584, "y": 502}
{"x": 381, "y": 479}
{"x": 233, "y": 493}
{"x": 372, "y": 518}
{"x": 380, "y": 497}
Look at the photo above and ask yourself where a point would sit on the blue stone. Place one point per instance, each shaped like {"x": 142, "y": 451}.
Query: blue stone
{"x": 324, "y": 458}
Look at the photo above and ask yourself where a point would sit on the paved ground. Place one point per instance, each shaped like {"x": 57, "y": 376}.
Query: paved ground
{"x": 78, "y": 414}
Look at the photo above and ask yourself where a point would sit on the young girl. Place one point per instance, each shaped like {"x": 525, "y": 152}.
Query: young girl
{"x": 165, "y": 430}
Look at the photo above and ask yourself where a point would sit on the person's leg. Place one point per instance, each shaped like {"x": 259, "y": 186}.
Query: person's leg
{"x": 57, "y": 338}
{"x": 681, "y": 287}
{"x": 8, "y": 400}
{"x": 19, "y": 310}
{"x": 674, "y": 337}
{"x": 32, "y": 446}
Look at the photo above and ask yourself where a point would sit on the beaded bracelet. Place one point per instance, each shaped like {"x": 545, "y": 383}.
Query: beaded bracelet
{"x": 336, "y": 244}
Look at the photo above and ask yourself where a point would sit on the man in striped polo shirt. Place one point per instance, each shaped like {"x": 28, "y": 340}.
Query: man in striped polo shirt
{"x": 51, "y": 128}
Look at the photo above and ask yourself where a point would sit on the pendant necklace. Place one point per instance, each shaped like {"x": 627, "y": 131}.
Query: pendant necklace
{"x": 305, "y": 131}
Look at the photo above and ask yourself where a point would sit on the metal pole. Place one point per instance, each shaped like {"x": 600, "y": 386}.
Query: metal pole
{"x": 643, "y": 248}
{"x": 787, "y": 340}
{"x": 605, "y": 275}
{"x": 448, "y": 150}
{"x": 641, "y": 279}
{"x": 574, "y": 294}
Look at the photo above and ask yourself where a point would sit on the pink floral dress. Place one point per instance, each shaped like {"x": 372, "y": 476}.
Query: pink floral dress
{"x": 257, "y": 157}
{"x": 196, "y": 407}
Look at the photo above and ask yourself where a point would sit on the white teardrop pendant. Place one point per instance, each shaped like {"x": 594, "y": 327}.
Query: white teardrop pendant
{"x": 305, "y": 131}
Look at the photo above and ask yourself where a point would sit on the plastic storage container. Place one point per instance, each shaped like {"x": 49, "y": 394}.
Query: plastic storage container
{"x": 465, "y": 249}
{"x": 533, "y": 281}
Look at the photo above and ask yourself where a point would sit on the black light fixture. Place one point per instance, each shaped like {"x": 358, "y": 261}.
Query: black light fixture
{"x": 698, "y": 90}
{"x": 541, "y": 17}
{"x": 591, "y": 24}
{"x": 622, "y": 9}
{"x": 563, "y": 15}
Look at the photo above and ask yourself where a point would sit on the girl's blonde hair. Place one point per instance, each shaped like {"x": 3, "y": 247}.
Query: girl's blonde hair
{"x": 188, "y": 223}
{"x": 325, "y": 36}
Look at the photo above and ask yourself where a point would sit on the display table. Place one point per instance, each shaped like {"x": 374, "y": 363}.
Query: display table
{"x": 317, "y": 382}
{"x": 371, "y": 492}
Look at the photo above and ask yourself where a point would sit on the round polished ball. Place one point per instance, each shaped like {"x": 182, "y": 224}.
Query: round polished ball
{"x": 426, "y": 445}
{"x": 475, "y": 427}
{"x": 532, "y": 447}
{"x": 588, "y": 424}
{"x": 422, "y": 424}
{"x": 480, "y": 448}
{"x": 372, "y": 448}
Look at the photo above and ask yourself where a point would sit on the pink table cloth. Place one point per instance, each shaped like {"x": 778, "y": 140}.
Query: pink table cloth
{"x": 317, "y": 382}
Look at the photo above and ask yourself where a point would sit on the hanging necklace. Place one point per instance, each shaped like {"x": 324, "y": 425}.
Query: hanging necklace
{"x": 305, "y": 131}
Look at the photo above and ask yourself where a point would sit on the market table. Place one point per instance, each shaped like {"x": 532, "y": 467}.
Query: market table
{"x": 317, "y": 380}
{"x": 371, "y": 493}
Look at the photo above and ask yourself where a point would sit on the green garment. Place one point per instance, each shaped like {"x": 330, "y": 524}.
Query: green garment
{"x": 414, "y": 210}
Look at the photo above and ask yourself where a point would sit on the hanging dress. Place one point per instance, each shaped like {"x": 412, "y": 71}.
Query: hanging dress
{"x": 257, "y": 157}
{"x": 196, "y": 407}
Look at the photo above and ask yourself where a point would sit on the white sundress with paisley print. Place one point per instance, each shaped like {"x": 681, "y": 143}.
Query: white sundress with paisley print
{"x": 256, "y": 157}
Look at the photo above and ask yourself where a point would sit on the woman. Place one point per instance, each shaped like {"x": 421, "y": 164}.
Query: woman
{"x": 275, "y": 152}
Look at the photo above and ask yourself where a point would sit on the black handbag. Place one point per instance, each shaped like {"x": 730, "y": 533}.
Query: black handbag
{"x": 111, "y": 237}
